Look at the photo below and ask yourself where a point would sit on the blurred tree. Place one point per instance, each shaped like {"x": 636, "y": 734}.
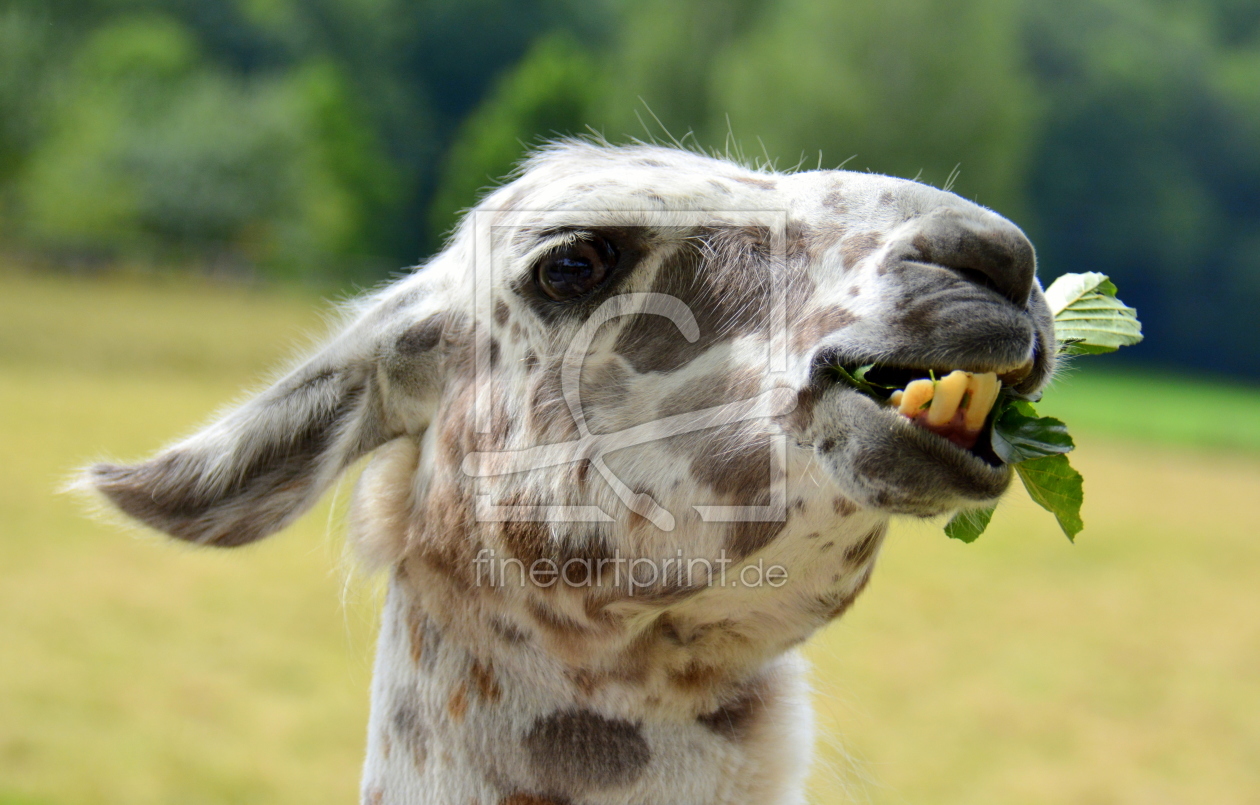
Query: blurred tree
{"x": 149, "y": 150}
{"x": 1148, "y": 168}
{"x": 341, "y": 135}
{"x": 905, "y": 87}
{"x": 548, "y": 95}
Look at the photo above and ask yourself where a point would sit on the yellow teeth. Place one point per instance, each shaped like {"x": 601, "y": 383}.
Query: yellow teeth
{"x": 949, "y": 393}
{"x": 973, "y": 393}
{"x": 916, "y": 395}
{"x": 983, "y": 390}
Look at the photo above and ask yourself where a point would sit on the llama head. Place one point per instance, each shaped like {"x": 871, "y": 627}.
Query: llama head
{"x": 626, "y": 349}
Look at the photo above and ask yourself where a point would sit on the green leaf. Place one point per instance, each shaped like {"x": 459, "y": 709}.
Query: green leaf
{"x": 1057, "y": 488}
{"x": 1020, "y": 435}
{"x": 1070, "y": 287}
{"x": 857, "y": 379}
{"x": 1088, "y": 318}
{"x": 969, "y": 524}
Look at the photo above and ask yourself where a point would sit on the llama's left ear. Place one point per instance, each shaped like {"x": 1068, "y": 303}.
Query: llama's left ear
{"x": 263, "y": 464}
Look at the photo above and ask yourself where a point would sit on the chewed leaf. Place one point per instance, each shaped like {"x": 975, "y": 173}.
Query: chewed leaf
{"x": 970, "y": 524}
{"x": 1088, "y": 318}
{"x": 1070, "y": 287}
{"x": 1020, "y": 435}
{"x": 1057, "y": 488}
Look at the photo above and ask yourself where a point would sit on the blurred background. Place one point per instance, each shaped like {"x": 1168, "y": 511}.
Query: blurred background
{"x": 183, "y": 182}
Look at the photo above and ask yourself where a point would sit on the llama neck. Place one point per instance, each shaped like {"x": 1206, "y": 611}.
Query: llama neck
{"x": 461, "y": 714}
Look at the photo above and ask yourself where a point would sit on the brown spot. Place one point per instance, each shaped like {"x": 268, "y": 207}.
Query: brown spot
{"x": 799, "y": 238}
{"x": 801, "y": 417}
{"x": 483, "y": 678}
{"x": 828, "y": 545}
{"x": 696, "y": 676}
{"x": 501, "y": 313}
{"x": 580, "y": 469}
{"x": 603, "y": 389}
{"x": 507, "y": 631}
{"x": 835, "y": 200}
{"x": 722, "y": 278}
{"x": 373, "y": 795}
{"x": 579, "y": 750}
{"x": 596, "y": 609}
{"x": 836, "y": 604}
{"x": 458, "y": 703}
{"x": 735, "y": 718}
{"x": 856, "y": 247}
{"x": 861, "y": 552}
{"x": 585, "y": 680}
{"x": 733, "y": 460}
{"x": 530, "y": 799}
{"x": 549, "y": 413}
{"x": 817, "y": 325}
{"x": 422, "y": 336}
{"x": 526, "y": 540}
{"x": 415, "y": 631}
{"x": 634, "y": 520}
{"x": 747, "y": 538}
{"x": 411, "y": 730}
{"x": 764, "y": 184}
{"x": 887, "y": 198}
{"x": 553, "y": 621}
{"x": 843, "y": 506}
{"x": 712, "y": 390}
{"x": 530, "y": 360}
{"x": 814, "y": 535}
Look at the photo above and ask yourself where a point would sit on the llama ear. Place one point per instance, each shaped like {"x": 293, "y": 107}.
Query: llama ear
{"x": 263, "y": 464}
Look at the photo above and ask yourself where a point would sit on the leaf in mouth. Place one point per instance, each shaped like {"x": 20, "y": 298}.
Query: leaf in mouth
{"x": 1020, "y": 435}
{"x": 857, "y": 379}
{"x": 1088, "y": 320}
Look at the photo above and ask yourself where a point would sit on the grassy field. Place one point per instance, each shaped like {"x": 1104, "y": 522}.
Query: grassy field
{"x": 1020, "y": 669}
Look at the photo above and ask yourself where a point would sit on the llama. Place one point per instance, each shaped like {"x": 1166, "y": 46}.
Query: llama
{"x": 612, "y": 478}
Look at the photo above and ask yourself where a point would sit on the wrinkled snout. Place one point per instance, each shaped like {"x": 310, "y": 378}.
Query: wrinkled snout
{"x": 987, "y": 250}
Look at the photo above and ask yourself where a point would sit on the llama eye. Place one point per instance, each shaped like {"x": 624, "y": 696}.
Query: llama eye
{"x": 577, "y": 269}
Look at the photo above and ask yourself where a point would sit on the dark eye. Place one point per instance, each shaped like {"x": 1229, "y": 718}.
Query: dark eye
{"x": 575, "y": 270}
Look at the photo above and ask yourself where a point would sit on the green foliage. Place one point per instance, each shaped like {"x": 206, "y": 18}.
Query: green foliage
{"x": 1020, "y": 435}
{"x": 150, "y": 150}
{"x": 1124, "y": 135}
{"x": 968, "y": 525}
{"x": 837, "y": 77}
{"x": 1089, "y": 319}
{"x": 547, "y": 95}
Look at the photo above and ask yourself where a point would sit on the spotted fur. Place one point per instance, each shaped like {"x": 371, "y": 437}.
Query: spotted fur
{"x": 593, "y": 689}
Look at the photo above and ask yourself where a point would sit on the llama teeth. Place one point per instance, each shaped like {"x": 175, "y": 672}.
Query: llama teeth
{"x": 982, "y": 393}
{"x": 916, "y": 395}
{"x": 949, "y": 393}
{"x": 964, "y": 398}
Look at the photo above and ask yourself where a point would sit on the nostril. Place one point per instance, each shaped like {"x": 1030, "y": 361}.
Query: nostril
{"x": 996, "y": 257}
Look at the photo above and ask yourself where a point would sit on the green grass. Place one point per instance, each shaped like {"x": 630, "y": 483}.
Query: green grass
{"x": 1194, "y": 411}
{"x": 1020, "y": 669}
